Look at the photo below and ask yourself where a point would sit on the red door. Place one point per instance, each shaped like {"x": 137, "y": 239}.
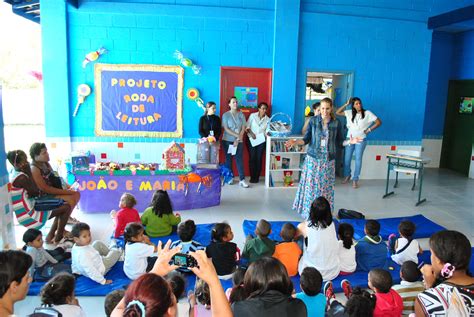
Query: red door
{"x": 260, "y": 78}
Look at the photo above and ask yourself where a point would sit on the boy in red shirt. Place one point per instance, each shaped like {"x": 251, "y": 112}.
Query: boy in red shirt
{"x": 126, "y": 214}
{"x": 389, "y": 303}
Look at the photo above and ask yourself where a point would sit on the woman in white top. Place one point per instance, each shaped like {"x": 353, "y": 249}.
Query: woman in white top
{"x": 360, "y": 123}
{"x": 256, "y": 126}
{"x": 321, "y": 249}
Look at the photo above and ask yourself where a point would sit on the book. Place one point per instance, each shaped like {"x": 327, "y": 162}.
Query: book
{"x": 285, "y": 162}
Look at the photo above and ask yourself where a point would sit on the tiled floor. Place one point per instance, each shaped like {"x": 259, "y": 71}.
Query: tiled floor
{"x": 450, "y": 203}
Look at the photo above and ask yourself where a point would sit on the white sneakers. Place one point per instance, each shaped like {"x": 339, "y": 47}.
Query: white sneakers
{"x": 243, "y": 184}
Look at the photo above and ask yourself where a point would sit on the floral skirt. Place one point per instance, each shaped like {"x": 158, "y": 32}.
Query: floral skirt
{"x": 317, "y": 179}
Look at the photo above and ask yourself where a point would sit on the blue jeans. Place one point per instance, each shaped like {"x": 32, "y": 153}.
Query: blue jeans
{"x": 239, "y": 158}
{"x": 359, "y": 152}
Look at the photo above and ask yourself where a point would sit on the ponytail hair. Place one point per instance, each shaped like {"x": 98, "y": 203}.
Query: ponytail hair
{"x": 209, "y": 105}
{"x": 346, "y": 234}
{"x": 219, "y": 232}
{"x": 132, "y": 229}
{"x": 30, "y": 235}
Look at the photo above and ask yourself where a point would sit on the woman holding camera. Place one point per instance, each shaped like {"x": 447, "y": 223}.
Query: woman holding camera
{"x": 360, "y": 123}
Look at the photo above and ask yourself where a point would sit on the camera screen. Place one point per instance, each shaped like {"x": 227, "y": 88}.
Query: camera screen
{"x": 180, "y": 260}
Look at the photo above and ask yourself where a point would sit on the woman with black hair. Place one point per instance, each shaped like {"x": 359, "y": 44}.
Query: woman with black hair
{"x": 450, "y": 288}
{"x": 256, "y": 126}
{"x": 267, "y": 291}
{"x": 24, "y": 190}
{"x": 360, "y": 123}
{"x": 321, "y": 249}
{"x": 15, "y": 279}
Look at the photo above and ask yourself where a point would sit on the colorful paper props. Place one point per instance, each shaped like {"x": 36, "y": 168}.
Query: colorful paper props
{"x": 82, "y": 92}
{"x": 36, "y": 74}
{"x": 186, "y": 62}
{"x": 307, "y": 110}
{"x": 193, "y": 94}
{"x": 93, "y": 56}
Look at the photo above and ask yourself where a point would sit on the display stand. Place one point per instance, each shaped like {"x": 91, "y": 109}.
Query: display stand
{"x": 280, "y": 159}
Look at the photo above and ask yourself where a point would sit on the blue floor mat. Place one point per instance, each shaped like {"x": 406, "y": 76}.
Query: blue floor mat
{"x": 424, "y": 227}
{"x": 87, "y": 287}
{"x": 202, "y": 235}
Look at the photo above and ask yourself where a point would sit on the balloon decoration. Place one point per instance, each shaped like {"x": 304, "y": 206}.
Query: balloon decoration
{"x": 93, "y": 56}
{"x": 186, "y": 62}
{"x": 83, "y": 91}
{"x": 193, "y": 94}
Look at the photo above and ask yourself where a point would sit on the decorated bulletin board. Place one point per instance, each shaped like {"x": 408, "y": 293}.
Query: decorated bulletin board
{"x": 246, "y": 96}
{"x": 139, "y": 100}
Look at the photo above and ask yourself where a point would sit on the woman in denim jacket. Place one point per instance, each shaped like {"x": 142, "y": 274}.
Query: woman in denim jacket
{"x": 318, "y": 176}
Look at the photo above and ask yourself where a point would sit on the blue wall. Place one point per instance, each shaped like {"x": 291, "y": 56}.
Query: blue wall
{"x": 452, "y": 58}
{"x": 3, "y": 157}
{"x": 385, "y": 43}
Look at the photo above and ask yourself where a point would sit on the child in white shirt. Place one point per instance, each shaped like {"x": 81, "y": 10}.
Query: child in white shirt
{"x": 58, "y": 294}
{"x": 91, "y": 260}
{"x": 347, "y": 253}
{"x": 404, "y": 248}
{"x": 138, "y": 251}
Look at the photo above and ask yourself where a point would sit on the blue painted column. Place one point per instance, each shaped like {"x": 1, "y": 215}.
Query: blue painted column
{"x": 55, "y": 68}
{"x": 285, "y": 55}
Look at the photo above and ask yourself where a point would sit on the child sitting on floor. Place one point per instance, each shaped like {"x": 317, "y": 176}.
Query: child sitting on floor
{"x": 223, "y": 252}
{"x": 125, "y": 215}
{"x": 236, "y": 293}
{"x": 388, "y": 302}
{"x": 58, "y": 294}
{"x": 347, "y": 253}
{"x": 111, "y": 300}
{"x": 359, "y": 302}
{"x": 46, "y": 263}
{"x": 256, "y": 248}
{"x": 201, "y": 301}
{"x": 178, "y": 284}
{"x": 404, "y": 248}
{"x": 311, "y": 282}
{"x": 288, "y": 251}
{"x": 139, "y": 251}
{"x": 410, "y": 286}
{"x": 186, "y": 232}
{"x": 371, "y": 252}
{"x": 159, "y": 219}
{"x": 91, "y": 260}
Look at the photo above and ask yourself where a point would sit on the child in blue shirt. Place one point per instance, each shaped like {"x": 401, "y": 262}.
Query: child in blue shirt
{"x": 186, "y": 232}
{"x": 371, "y": 252}
{"x": 311, "y": 282}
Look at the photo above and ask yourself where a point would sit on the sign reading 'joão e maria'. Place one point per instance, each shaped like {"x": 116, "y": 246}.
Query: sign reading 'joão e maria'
{"x": 139, "y": 100}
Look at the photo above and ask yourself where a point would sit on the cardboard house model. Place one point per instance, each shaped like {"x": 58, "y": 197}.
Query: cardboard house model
{"x": 173, "y": 157}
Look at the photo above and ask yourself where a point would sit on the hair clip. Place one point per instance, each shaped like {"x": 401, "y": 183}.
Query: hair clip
{"x": 447, "y": 270}
{"x": 139, "y": 304}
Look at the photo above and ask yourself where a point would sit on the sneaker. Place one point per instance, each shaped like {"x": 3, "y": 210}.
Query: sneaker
{"x": 328, "y": 292}
{"x": 392, "y": 239}
{"x": 230, "y": 182}
{"x": 243, "y": 184}
{"x": 346, "y": 287}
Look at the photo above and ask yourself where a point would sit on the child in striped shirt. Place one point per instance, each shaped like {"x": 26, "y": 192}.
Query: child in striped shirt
{"x": 186, "y": 232}
{"x": 410, "y": 286}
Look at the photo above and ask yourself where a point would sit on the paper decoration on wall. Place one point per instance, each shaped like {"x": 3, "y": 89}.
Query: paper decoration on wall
{"x": 193, "y": 94}
{"x": 307, "y": 111}
{"x": 173, "y": 157}
{"x": 83, "y": 91}
{"x": 246, "y": 96}
{"x": 186, "y": 62}
{"x": 93, "y": 56}
{"x": 138, "y": 100}
{"x": 36, "y": 74}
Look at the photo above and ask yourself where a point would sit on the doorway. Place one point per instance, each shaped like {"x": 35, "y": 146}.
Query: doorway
{"x": 335, "y": 85}
{"x": 251, "y": 86}
{"x": 458, "y": 135}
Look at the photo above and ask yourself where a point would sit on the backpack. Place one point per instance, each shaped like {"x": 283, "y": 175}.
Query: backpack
{"x": 349, "y": 214}
{"x": 45, "y": 312}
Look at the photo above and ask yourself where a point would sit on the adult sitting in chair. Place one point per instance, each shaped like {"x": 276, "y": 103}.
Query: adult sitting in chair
{"x": 24, "y": 190}
{"x": 44, "y": 177}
